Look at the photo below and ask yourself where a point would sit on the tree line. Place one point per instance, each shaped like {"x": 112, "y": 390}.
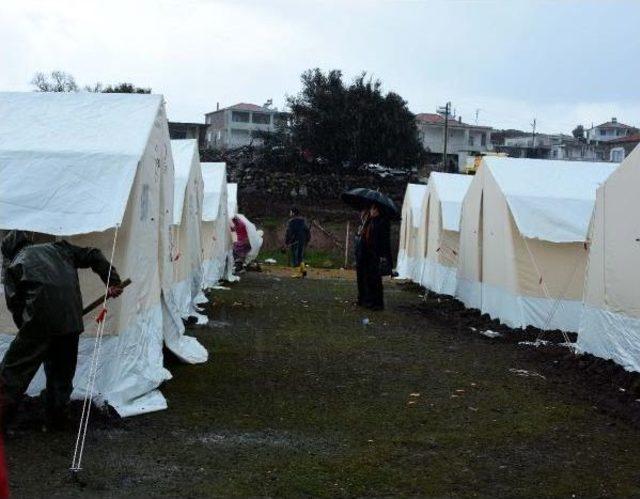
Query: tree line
{"x": 61, "y": 81}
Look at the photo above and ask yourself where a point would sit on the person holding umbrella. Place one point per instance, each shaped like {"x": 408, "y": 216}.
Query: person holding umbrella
{"x": 373, "y": 245}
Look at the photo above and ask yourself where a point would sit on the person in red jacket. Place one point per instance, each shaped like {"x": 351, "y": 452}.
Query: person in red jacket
{"x": 242, "y": 245}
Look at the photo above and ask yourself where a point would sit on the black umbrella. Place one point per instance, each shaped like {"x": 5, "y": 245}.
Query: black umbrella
{"x": 362, "y": 198}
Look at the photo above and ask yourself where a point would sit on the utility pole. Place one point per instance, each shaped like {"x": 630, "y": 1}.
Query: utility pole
{"x": 533, "y": 136}
{"x": 445, "y": 110}
{"x": 477, "y": 113}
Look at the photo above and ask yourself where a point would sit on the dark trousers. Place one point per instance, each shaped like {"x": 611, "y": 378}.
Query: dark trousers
{"x": 27, "y": 351}
{"x": 370, "y": 290}
{"x": 297, "y": 253}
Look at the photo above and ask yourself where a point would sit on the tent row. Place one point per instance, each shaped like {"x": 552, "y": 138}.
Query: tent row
{"x": 100, "y": 170}
{"x": 540, "y": 243}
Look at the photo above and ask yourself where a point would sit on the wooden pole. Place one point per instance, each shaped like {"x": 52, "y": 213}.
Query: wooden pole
{"x": 99, "y": 301}
{"x": 346, "y": 246}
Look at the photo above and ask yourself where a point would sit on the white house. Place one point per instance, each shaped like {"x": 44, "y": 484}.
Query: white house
{"x": 610, "y": 130}
{"x": 236, "y": 125}
{"x": 463, "y": 139}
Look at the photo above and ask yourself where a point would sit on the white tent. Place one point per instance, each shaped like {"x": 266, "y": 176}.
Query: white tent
{"x": 523, "y": 228}
{"x": 90, "y": 167}
{"x": 216, "y": 233}
{"x": 610, "y": 325}
{"x": 187, "y": 240}
{"x": 232, "y": 199}
{"x": 412, "y": 234}
{"x": 442, "y": 205}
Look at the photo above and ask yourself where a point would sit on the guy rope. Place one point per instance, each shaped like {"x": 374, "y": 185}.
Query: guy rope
{"x": 76, "y": 463}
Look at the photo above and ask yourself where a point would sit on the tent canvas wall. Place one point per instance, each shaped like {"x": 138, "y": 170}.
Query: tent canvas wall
{"x": 186, "y": 244}
{"x": 412, "y": 233}
{"x": 216, "y": 233}
{"x": 78, "y": 166}
{"x": 442, "y": 207}
{"x": 610, "y": 325}
{"x": 523, "y": 227}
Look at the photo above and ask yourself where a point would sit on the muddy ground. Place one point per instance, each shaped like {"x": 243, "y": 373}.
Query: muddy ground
{"x": 303, "y": 396}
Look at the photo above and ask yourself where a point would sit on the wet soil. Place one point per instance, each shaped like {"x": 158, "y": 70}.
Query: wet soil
{"x": 305, "y": 394}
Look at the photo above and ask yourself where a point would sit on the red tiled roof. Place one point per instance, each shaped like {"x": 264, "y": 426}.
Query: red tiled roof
{"x": 629, "y": 138}
{"x": 430, "y": 118}
{"x": 438, "y": 119}
{"x": 243, "y": 106}
{"x": 616, "y": 124}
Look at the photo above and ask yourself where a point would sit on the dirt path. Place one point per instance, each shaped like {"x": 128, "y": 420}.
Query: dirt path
{"x": 300, "y": 397}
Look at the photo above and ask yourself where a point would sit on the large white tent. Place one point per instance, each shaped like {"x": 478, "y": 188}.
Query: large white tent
{"x": 522, "y": 240}
{"x": 216, "y": 233}
{"x": 442, "y": 207}
{"x": 412, "y": 233}
{"x": 186, "y": 240}
{"x": 610, "y": 325}
{"x": 97, "y": 170}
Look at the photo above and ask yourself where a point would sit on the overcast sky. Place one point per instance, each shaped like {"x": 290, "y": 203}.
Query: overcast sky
{"x": 563, "y": 62}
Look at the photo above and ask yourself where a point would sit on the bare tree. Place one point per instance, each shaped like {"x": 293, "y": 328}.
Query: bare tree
{"x": 56, "y": 81}
{"x": 96, "y": 87}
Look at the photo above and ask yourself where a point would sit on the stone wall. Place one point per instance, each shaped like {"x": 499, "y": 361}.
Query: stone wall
{"x": 306, "y": 187}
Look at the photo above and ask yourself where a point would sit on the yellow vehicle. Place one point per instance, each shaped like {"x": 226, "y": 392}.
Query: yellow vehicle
{"x": 474, "y": 162}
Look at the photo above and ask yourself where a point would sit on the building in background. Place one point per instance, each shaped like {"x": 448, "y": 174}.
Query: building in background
{"x": 236, "y": 126}
{"x": 618, "y": 149}
{"x": 611, "y": 130}
{"x": 182, "y": 130}
{"x": 551, "y": 146}
{"x": 463, "y": 141}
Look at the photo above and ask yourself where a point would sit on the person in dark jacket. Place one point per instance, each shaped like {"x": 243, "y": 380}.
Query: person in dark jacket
{"x": 297, "y": 237}
{"x": 373, "y": 257}
{"x": 42, "y": 291}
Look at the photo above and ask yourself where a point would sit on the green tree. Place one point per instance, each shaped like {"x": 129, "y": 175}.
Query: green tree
{"x": 352, "y": 124}
{"x": 125, "y": 88}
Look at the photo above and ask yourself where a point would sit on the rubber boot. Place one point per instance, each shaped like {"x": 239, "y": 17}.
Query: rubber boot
{"x": 56, "y": 414}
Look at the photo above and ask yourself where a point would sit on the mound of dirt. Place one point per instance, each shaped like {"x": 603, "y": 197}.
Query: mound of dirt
{"x": 611, "y": 388}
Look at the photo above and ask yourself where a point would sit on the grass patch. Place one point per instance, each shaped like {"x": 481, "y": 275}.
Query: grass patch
{"x": 314, "y": 258}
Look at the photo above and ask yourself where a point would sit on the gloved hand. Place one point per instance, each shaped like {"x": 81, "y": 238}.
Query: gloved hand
{"x": 114, "y": 291}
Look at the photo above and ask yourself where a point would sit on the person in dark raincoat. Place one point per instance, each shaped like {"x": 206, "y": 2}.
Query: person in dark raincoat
{"x": 373, "y": 257}
{"x": 297, "y": 237}
{"x": 42, "y": 291}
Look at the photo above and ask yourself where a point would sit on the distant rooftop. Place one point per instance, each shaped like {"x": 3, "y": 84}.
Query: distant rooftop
{"x": 614, "y": 123}
{"x": 438, "y": 119}
{"x": 245, "y": 106}
{"x": 629, "y": 138}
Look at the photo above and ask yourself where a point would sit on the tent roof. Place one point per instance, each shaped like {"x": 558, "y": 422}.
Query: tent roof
{"x": 232, "y": 199}
{"x": 184, "y": 151}
{"x": 550, "y": 200}
{"x": 451, "y": 189}
{"x": 213, "y": 176}
{"x": 68, "y": 160}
